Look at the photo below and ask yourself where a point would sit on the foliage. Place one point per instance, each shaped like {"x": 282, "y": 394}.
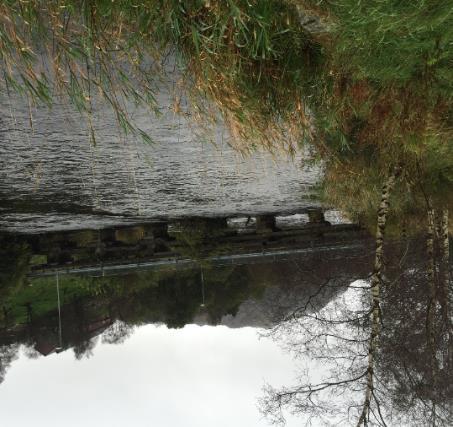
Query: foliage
{"x": 81, "y": 50}
{"x": 198, "y": 239}
{"x": 354, "y": 185}
{"x": 14, "y": 264}
{"x": 171, "y": 296}
{"x": 251, "y": 58}
{"x": 376, "y": 79}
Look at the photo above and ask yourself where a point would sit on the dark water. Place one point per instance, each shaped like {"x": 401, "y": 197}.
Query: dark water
{"x": 53, "y": 177}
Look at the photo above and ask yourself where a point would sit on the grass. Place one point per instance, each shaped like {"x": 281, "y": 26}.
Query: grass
{"x": 43, "y": 294}
{"x": 81, "y": 51}
{"x": 251, "y": 60}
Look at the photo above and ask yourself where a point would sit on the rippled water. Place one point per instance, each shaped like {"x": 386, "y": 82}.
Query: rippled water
{"x": 52, "y": 177}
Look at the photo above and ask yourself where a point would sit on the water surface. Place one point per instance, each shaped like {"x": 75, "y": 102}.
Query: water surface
{"x": 53, "y": 177}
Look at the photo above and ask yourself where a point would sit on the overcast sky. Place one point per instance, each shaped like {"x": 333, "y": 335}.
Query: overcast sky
{"x": 191, "y": 377}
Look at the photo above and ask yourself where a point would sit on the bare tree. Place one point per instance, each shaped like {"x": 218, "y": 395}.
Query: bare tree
{"x": 117, "y": 333}
{"x": 355, "y": 371}
{"x": 8, "y": 353}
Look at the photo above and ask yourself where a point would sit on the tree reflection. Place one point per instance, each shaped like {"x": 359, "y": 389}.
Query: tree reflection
{"x": 117, "y": 333}
{"x": 8, "y": 353}
{"x": 416, "y": 347}
{"x": 14, "y": 265}
{"x": 376, "y": 358}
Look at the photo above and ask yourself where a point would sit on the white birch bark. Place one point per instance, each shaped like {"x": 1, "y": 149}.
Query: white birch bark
{"x": 445, "y": 280}
{"x": 376, "y": 283}
{"x": 432, "y": 305}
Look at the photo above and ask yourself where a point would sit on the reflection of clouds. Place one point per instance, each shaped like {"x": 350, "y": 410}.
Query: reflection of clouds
{"x": 194, "y": 377}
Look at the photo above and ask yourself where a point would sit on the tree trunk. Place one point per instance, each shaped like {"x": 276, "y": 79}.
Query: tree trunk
{"x": 433, "y": 297}
{"x": 445, "y": 267}
{"x": 376, "y": 282}
{"x": 447, "y": 291}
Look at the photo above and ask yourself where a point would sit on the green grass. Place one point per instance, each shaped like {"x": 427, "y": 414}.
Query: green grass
{"x": 42, "y": 293}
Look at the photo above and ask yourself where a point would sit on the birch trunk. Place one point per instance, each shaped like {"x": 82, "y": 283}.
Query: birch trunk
{"x": 376, "y": 282}
{"x": 447, "y": 290}
{"x": 432, "y": 305}
{"x": 445, "y": 266}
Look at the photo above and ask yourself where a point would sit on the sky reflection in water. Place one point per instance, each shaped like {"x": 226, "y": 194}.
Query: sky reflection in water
{"x": 195, "y": 376}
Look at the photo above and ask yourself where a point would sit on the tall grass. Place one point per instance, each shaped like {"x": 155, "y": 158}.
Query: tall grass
{"x": 391, "y": 73}
{"x": 376, "y": 80}
{"x": 251, "y": 61}
{"x": 82, "y": 50}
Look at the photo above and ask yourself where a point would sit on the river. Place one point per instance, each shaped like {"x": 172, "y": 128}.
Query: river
{"x": 52, "y": 177}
